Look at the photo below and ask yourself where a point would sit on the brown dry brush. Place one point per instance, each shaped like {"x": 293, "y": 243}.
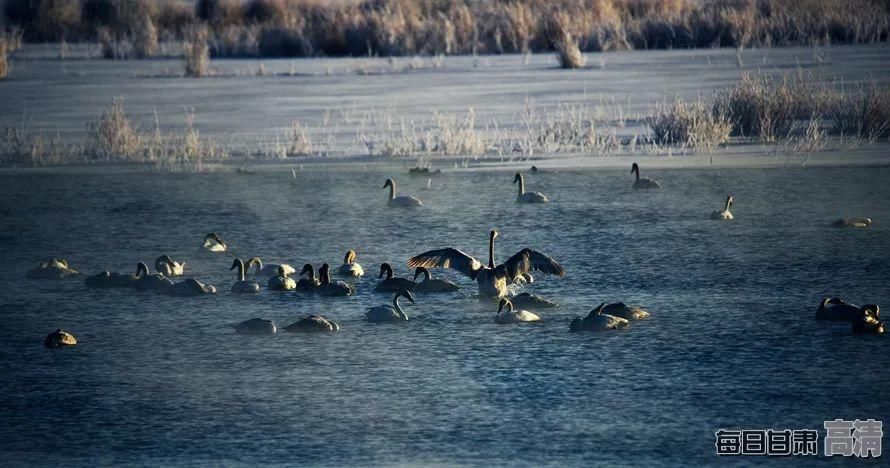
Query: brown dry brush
{"x": 197, "y": 55}
{"x": 432, "y": 27}
{"x": 4, "y": 57}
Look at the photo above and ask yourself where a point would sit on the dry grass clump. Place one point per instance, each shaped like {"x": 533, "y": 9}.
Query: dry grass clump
{"x": 111, "y": 136}
{"x": 863, "y": 113}
{"x": 197, "y": 53}
{"x": 691, "y": 124}
{"x": 4, "y": 57}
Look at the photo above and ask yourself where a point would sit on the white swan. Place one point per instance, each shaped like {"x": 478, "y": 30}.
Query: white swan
{"x": 492, "y": 280}
{"x": 166, "y": 265}
{"x": 429, "y": 284}
{"x": 852, "y": 223}
{"x": 309, "y": 284}
{"x": 390, "y": 283}
{"x": 188, "y": 288}
{"x": 725, "y": 214}
{"x": 596, "y": 320}
{"x": 242, "y": 285}
{"x": 213, "y": 243}
{"x": 328, "y": 288}
{"x": 401, "y": 201}
{"x": 622, "y": 310}
{"x": 527, "y": 197}
{"x": 645, "y": 182}
{"x": 281, "y": 282}
{"x": 349, "y": 267}
{"x": 59, "y": 338}
{"x": 511, "y": 316}
{"x": 52, "y": 268}
{"x": 255, "y": 326}
{"x": 387, "y": 313}
{"x": 108, "y": 279}
{"x": 147, "y": 281}
{"x": 270, "y": 269}
{"x": 313, "y": 323}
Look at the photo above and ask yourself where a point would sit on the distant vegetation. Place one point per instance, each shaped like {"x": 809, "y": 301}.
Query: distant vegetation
{"x": 296, "y": 28}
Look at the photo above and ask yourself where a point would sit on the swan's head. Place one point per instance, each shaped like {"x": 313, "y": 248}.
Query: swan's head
{"x": 141, "y": 269}
{"x": 350, "y": 257}
{"x": 388, "y": 183}
{"x": 307, "y": 268}
{"x": 576, "y": 324}
{"x": 505, "y": 303}
{"x": 866, "y": 221}
{"x": 421, "y": 271}
{"x": 213, "y": 238}
{"x": 494, "y": 234}
{"x": 517, "y": 178}
{"x": 599, "y": 309}
{"x": 406, "y": 294}
{"x": 385, "y": 269}
{"x": 634, "y": 168}
{"x": 534, "y": 168}
{"x": 280, "y": 271}
{"x": 872, "y": 309}
{"x": 323, "y": 269}
{"x": 254, "y": 261}
{"x": 729, "y": 200}
{"x": 237, "y": 263}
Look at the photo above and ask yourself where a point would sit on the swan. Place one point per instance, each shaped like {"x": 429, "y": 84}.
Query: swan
{"x": 432, "y": 285}
{"x": 645, "y": 182}
{"x": 51, "y": 268}
{"x": 107, "y": 279}
{"x": 393, "y": 313}
{"x": 393, "y": 284}
{"x": 596, "y": 320}
{"x": 492, "y": 280}
{"x": 270, "y": 269}
{"x": 189, "y": 287}
{"x": 852, "y": 223}
{"x": 401, "y": 200}
{"x": 213, "y": 243}
{"x": 725, "y": 214}
{"x": 532, "y": 301}
{"x": 242, "y": 285}
{"x": 59, "y": 338}
{"x": 835, "y": 309}
{"x": 313, "y": 323}
{"x": 150, "y": 282}
{"x": 255, "y": 326}
{"x": 281, "y": 282}
{"x": 309, "y": 284}
{"x": 349, "y": 267}
{"x": 164, "y": 264}
{"x": 868, "y": 322}
{"x": 527, "y": 197}
{"x": 327, "y": 288}
{"x": 622, "y": 310}
{"x": 512, "y": 316}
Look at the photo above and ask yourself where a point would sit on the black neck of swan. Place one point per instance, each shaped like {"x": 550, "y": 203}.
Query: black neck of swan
{"x": 521, "y": 181}
{"x": 491, "y": 251}
{"x": 392, "y": 189}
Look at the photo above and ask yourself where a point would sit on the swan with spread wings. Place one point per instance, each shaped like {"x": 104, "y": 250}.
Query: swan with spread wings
{"x": 492, "y": 280}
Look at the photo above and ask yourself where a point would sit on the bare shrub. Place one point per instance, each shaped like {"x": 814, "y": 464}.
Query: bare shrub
{"x": 145, "y": 38}
{"x": 111, "y": 136}
{"x": 693, "y": 124}
{"x": 567, "y": 52}
{"x": 197, "y": 54}
{"x": 299, "y": 143}
{"x": 862, "y": 113}
{"x": 4, "y": 57}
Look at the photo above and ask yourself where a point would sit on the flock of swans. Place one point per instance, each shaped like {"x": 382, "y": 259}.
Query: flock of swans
{"x": 493, "y": 280}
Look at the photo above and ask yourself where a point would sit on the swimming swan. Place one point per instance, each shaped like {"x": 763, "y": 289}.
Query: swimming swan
{"x": 852, "y": 223}
{"x": 328, "y": 288}
{"x": 270, "y": 269}
{"x": 52, "y": 268}
{"x": 387, "y": 313}
{"x": 511, "y": 316}
{"x": 402, "y": 201}
{"x": 213, "y": 243}
{"x": 59, "y": 338}
{"x": 255, "y": 326}
{"x": 432, "y": 285}
{"x": 349, "y": 267}
{"x": 147, "y": 281}
{"x": 242, "y": 285}
{"x": 164, "y": 264}
{"x": 835, "y": 309}
{"x": 527, "y": 197}
{"x": 492, "y": 280}
{"x": 309, "y": 284}
{"x": 869, "y": 322}
{"x": 393, "y": 284}
{"x": 724, "y": 215}
{"x": 188, "y": 288}
{"x": 108, "y": 279}
{"x": 281, "y": 282}
{"x": 622, "y": 310}
{"x": 596, "y": 320}
{"x": 645, "y": 182}
{"x": 313, "y": 323}
{"x": 532, "y": 301}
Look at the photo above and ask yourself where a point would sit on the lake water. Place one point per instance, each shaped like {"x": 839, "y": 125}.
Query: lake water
{"x": 158, "y": 380}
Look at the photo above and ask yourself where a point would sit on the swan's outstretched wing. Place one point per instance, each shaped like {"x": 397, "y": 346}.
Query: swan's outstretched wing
{"x": 447, "y": 258}
{"x": 529, "y": 260}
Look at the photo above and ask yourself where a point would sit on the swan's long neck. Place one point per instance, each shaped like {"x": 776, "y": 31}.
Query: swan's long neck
{"x": 311, "y": 273}
{"x": 521, "y": 185}
{"x": 426, "y": 274}
{"x": 325, "y": 276}
{"x": 491, "y": 252}
{"x": 637, "y": 173}
{"x": 509, "y": 306}
{"x": 387, "y": 270}
{"x": 395, "y": 305}
{"x": 392, "y": 190}
{"x": 241, "y": 276}
{"x": 728, "y": 202}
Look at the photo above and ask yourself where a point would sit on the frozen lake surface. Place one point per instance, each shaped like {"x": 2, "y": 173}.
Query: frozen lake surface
{"x": 157, "y": 380}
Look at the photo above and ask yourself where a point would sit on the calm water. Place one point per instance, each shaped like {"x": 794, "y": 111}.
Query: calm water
{"x": 157, "y": 380}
